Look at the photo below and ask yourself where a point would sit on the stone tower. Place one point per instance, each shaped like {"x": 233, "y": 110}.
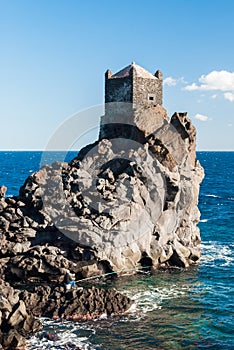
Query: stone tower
{"x": 135, "y": 85}
{"x": 126, "y": 93}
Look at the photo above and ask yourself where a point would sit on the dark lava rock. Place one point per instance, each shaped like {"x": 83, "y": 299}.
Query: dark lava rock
{"x": 78, "y": 303}
{"x": 19, "y": 309}
{"x": 16, "y": 323}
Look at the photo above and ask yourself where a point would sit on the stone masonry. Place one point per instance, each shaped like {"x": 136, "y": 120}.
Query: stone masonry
{"x": 135, "y": 85}
{"x": 127, "y": 92}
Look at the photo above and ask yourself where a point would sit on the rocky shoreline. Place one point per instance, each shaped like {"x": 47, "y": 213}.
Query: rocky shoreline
{"x": 33, "y": 260}
{"x": 21, "y": 309}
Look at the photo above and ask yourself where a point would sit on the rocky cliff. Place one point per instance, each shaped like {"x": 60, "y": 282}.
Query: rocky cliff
{"x": 131, "y": 195}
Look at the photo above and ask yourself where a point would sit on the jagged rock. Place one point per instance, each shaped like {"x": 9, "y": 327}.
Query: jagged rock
{"x": 49, "y": 263}
{"x": 19, "y": 308}
{"x": 126, "y": 192}
{"x": 112, "y": 198}
{"x": 15, "y": 321}
{"x": 187, "y": 131}
{"x": 3, "y": 190}
{"x": 77, "y": 303}
{"x": 12, "y": 340}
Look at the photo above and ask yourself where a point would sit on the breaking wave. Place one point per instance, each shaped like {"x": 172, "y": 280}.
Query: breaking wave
{"x": 213, "y": 253}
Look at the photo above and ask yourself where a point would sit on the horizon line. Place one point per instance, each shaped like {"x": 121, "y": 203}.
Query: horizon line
{"x": 77, "y": 150}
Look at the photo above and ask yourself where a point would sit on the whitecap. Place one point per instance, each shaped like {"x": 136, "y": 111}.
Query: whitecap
{"x": 213, "y": 252}
{"x": 212, "y": 195}
{"x": 203, "y": 220}
{"x": 152, "y": 298}
{"x": 68, "y": 336}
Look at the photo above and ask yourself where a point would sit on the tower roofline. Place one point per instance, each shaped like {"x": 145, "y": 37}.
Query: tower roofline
{"x": 127, "y": 71}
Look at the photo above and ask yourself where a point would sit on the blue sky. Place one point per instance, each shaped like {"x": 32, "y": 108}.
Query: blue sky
{"x": 54, "y": 54}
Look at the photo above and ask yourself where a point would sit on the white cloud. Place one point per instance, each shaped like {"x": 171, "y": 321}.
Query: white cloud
{"x": 191, "y": 87}
{"x": 182, "y": 80}
{"x": 214, "y": 96}
{"x": 201, "y": 117}
{"x": 229, "y": 125}
{"x": 229, "y": 96}
{"x": 170, "y": 81}
{"x": 215, "y": 80}
{"x": 174, "y": 81}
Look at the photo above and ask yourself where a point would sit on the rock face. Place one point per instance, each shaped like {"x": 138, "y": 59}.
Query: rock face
{"x": 154, "y": 187}
{"x": 15, "y": 321}
{"x": 75, "y": 304}
{"x": 132, "y": 194}
{"x": 19, "y": 309}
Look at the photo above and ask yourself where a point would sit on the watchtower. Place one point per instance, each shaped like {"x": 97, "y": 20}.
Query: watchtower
{"x": 135, "y": 85}
{"x": 126, "y": 92}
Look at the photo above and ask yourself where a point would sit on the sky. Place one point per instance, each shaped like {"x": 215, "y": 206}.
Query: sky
{"x": 54, "y": 54}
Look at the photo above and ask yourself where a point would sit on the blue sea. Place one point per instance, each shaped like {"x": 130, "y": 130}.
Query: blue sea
{"x": 180, "y": 309}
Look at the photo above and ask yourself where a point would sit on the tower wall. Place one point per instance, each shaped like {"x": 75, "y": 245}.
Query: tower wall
{"x": 147, "y": 91}
{"x": 125, "y": 92}
{"x": 134, "y": 89}
{"x": 119, "y": 89}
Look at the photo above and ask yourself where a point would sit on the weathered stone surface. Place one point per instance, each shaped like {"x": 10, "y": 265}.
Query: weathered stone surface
{"x": 138, "y": 197}
{"x": 187, "y": 131}
{"x": 15, "y": 321}
{"x": 119, "y": 199}
{"x": 76, "y": 303}
{"x": 135, "y": 85}
{"x": 18, "y": 309}
{"x": 3, "y": 190}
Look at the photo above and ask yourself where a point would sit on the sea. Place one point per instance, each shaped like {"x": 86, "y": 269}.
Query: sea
{"x": 176, "y": 309}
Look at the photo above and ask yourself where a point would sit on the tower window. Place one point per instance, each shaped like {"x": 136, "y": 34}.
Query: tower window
{"x": 151, "y": 97}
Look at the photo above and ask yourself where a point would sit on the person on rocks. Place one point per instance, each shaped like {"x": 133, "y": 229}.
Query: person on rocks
{"x": 69, "y": 280}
